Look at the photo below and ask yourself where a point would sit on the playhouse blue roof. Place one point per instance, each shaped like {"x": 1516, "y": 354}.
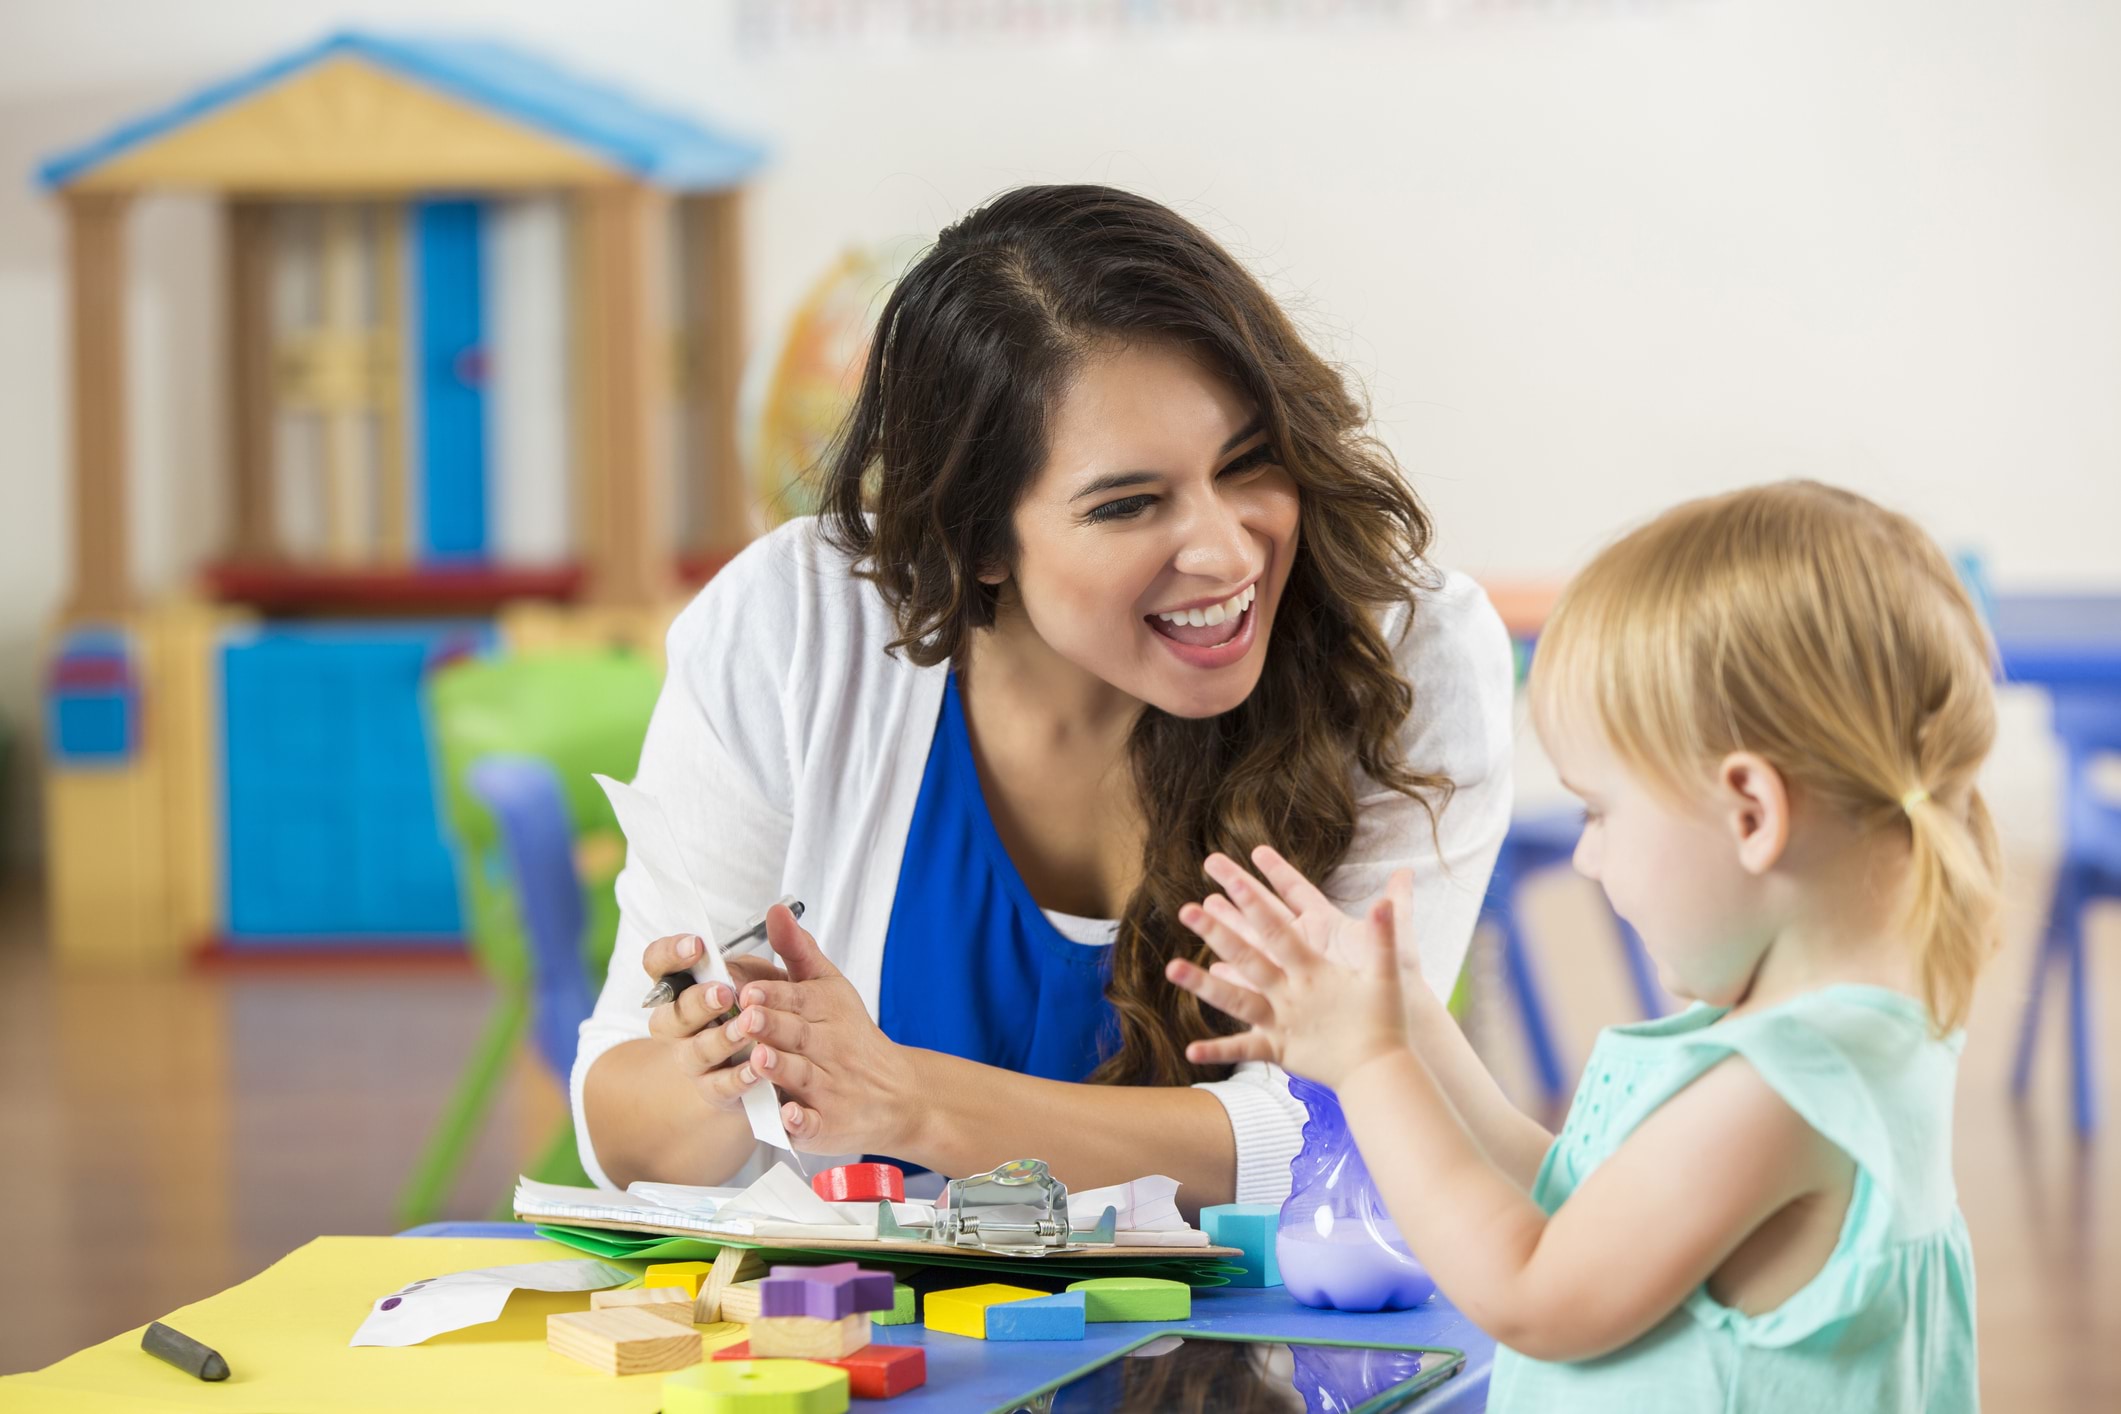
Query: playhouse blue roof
{"x": 658, "y": 146}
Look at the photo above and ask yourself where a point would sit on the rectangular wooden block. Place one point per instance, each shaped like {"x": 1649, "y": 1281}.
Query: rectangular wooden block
{"x": 1251, "y": 1228}
{"x": 807, "y": 1337}
{"x": 963, "y": 1310}
{"x": 623, "y": 1340}
{"x": 686, "y": 1274}
{"x": 741, "y": 1301}
{"x": 669, "y": 1302}
{"x": 1135, "y": 1299}
{"x": 1044, "y": 1318}
{"x": 902, "y": 1312}
{"x": 876, "y": 1371}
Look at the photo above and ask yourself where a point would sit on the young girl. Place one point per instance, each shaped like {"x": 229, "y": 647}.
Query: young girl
{"x": 1773, "y": 705}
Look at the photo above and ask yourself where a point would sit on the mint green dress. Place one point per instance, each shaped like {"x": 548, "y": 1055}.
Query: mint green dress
{"x": 1888, "y": 1324}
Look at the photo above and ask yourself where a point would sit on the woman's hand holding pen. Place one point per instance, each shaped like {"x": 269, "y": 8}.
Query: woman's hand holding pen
{"x": 705, "y": 1049}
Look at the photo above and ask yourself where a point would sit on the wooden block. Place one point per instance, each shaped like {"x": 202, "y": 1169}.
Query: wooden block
{"x": 686, "y": 1274}
{"x": 1251, "y": 1228}
{"x": 807, "y": 1338}
{"x": 1045, "y": 1318}
{"x": 824, "y": 1293}
{"x": 741, "y": 1301}
{"x": 902, "y": 1312}
{"x": 963, "y": 1310}
{"x": 860, "y": 1183}
{"x": 669, "y": 1302}
{"x": 757, "y": 1387}
{"x": 731, "y": 1265}
{"x": 1135, "y": 1299}
{"x": 624, "y": 1340}
{"x": 876, "y": 1371}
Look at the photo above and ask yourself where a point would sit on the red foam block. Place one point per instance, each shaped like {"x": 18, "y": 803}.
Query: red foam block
{"x": 873, "y": 1372}
{"x": 860, "y": 1183}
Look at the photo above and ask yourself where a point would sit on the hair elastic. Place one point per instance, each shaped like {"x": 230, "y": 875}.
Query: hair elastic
{"x": 1913, "y": 798}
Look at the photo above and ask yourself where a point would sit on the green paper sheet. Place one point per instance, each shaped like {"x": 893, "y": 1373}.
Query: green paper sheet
{"x": 648, "y": 1247}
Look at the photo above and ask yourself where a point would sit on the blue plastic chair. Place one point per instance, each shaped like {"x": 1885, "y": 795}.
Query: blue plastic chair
{"x": 524, "y": 795}
{"x": 1535, "y": 844}
{"x": 530, "y": 812}
{"x": 2089, "y": 723}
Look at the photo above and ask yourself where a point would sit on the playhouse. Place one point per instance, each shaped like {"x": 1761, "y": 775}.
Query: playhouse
{"x": 483, "y": 351}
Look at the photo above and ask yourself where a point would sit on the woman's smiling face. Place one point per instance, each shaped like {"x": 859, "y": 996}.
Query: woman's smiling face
{"x": 1153, "y": 545}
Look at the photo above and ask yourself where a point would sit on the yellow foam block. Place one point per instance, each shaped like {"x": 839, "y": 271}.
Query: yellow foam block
{"x": 963, "y": 1310}
{"x": 686, "y": 1274}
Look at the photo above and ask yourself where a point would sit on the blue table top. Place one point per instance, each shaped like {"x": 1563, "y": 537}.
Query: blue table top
{"x": 2059, "y": 640}
{"x": 966, "y": 1374}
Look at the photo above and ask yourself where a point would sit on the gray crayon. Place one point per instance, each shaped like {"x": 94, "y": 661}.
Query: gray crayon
{"x": 182, "y": 1351}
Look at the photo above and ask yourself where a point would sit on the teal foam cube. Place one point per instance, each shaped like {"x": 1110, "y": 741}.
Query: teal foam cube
{"x": 1061, "y": 1317}
{"x": 1250, "y": 1227}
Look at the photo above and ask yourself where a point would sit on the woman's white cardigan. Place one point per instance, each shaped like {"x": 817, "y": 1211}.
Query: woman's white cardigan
{"x": 787, "y": 748}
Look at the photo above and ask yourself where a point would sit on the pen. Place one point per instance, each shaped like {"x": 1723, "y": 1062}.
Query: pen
{"x": 182, "y": 1351}
{"x": 755, "y": 931}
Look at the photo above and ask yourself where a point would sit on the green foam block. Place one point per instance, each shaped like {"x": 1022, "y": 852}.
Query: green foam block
{"x": 1134, "y": 1299}
{"x": 902, "y": 1312}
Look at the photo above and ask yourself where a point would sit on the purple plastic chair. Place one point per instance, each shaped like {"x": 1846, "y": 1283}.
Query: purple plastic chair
{"x": 1537, "y": 843}
{"x": 2089, "y": 723}
{"x": 524, "y": 796}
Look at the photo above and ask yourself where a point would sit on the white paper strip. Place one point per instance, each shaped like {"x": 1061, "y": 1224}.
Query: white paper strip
{"x": 653, "y": 845}
{"x": 428, "y": 1308}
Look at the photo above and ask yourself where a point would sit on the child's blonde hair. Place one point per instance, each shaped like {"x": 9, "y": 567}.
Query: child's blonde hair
{"x": 1831, "y": 637}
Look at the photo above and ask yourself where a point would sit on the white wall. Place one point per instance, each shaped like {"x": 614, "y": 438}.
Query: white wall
{"x": 1588, "y": 262}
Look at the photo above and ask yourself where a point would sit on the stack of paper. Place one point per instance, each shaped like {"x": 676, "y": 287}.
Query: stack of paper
{"x": 780, "y": 1206}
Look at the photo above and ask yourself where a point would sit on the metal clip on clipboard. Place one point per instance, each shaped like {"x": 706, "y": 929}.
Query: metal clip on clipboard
{"x": 1019, "y": 1210}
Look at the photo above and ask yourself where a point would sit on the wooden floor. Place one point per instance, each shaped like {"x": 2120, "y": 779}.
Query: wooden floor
{"x": 163, "y": 1137}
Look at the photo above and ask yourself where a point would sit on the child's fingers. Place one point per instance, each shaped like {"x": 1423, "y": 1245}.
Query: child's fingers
{"x": 1211, "y": 925}
{"x": 1255, "y": 959}
{"x": 1233, "y": 1050}
{"x": 1301, "y": 894}
{"x": 1242, "y": 1003}
{"x": 1231, "y": 975}
{"x": 1269, "y": 919}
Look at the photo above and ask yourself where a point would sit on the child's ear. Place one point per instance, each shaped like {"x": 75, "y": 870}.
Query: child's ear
{"x": 1754, "y": 802}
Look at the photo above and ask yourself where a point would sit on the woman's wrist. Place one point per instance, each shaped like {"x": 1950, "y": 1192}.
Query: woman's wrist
{"x": 909, "y": 1104}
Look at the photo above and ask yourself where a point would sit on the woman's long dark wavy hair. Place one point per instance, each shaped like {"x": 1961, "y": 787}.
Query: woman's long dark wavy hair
{"x": 973, "y": 349}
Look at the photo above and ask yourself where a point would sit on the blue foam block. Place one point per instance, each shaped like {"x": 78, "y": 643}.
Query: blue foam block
{"x": 1059, "y": 1317}
{"x": 1249, "y": 1227}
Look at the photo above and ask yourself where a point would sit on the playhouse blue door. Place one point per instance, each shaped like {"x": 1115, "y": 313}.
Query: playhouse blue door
{"x": 334, "y": 830}
{"x": 452, "y": 362}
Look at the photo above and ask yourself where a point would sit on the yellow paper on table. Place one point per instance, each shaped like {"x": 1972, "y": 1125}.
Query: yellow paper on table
{"x": 284, "y": 1335}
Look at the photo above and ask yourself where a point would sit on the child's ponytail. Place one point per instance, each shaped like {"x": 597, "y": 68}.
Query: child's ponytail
{"x": 1954, "y": 896}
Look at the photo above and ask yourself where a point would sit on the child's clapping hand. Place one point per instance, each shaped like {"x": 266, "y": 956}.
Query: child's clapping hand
{"x": 1319, "y": 989}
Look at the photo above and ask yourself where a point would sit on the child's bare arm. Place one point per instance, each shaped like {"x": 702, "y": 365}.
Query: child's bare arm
{"x": 1650, "y": 1225}
{"x": 1656, "y": 1218}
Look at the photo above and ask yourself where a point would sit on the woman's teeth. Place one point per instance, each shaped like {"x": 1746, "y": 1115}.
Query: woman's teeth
{"x": 1215, "y": 613}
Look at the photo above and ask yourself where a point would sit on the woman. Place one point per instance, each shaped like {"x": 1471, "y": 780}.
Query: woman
{"x": 1109, "y": 578}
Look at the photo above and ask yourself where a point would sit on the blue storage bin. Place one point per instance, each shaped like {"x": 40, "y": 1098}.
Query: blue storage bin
{"x": 332, "y": 828}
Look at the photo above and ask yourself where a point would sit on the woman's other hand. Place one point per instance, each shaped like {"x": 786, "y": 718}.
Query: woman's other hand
{"x": 845, "y": 1086}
